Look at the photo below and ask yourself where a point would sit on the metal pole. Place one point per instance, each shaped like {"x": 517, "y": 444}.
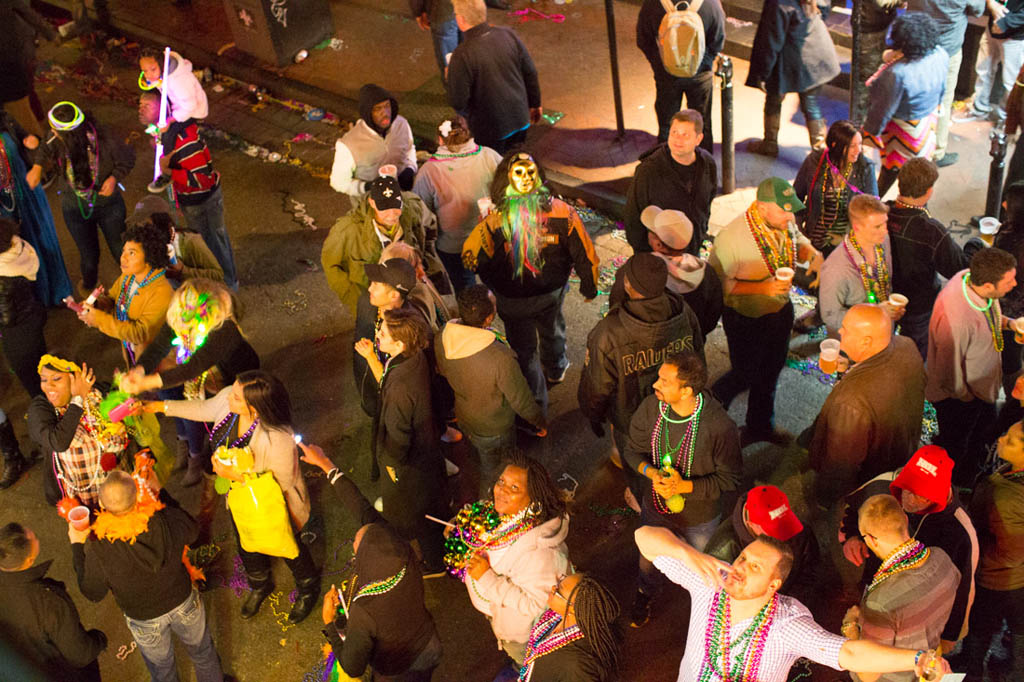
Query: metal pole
{"x": 856, "y": 86}
{"x": 724, "y": 71}
{"x": 993, "y": 199}
{"x": 613, "y": 54}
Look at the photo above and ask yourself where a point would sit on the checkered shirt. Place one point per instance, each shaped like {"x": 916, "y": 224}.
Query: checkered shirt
{"x": 80, "y": 463}
{"x": 793, "y": 633}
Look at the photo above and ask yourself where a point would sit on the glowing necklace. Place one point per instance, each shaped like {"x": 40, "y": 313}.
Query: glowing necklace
{"x": 662, "y": 452}
{"x": 540, "y": 644}
{"x": 194, "y": 388}
{"x": 744, "y": 664}
{"x": 910, "y": 554}
{"x": 874, "y": 279}
{"x": 993, "y": 314}
{"x": 773, "y": 256}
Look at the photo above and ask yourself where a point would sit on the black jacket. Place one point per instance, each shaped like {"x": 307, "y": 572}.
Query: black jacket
{"x": 922, "y": 248}
{"x": 624, "y": 351}
{"x": 369, "y": 96}
{"x": 574, "y": 662}
{"x": 649, "y": 21}
{"x": 116, "y": 158}
{"x": 39, "y": 619}
{"x": 492, "y": 81}
{"x": 660, "y": 181}
{"x": 792, "y": 52}
{"x": 387, "y": 631}
{"x": 147, "y": 577}
{"x": 18, "y": 301}
{"x": 1011, "y": 25}
{"x": 50, "y": 432}
{"x": 225, "y": 348}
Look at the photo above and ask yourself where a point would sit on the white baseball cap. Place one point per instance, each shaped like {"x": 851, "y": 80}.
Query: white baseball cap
{"x": 671, "y": 226}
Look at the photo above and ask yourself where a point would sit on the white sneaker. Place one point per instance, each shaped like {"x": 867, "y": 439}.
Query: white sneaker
{"x": 450, "y": 467}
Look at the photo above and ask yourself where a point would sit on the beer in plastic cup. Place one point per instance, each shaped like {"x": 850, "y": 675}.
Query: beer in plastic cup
{"x": 898, "y": 301}
{"x": 828, "y": 359}
{"x": 989, "y": 227}
{"x": 784, "y": 274}
{"x": 1018, "y": 329}
{"x": 78, "y": 517}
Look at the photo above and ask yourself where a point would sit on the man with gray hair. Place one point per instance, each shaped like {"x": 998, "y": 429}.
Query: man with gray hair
{"x": 140, "y": 537}
{"x": 492, "y": 80}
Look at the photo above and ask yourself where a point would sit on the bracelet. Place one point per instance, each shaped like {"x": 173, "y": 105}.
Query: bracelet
{"x": 918, "y": 655}
{"x": 646, "y": 466}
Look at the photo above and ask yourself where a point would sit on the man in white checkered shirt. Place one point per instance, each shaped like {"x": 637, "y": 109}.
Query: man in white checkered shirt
{"x": 749, "y": 585}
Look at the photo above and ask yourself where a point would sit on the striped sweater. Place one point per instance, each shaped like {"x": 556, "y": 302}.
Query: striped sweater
{"x": 191, "y": 165}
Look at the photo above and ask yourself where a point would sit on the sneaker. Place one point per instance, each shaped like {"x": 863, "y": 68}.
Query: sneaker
{"x": 970, "y": 114}
{"x": 450, "y": 468}
{"x": 378, "y": 504}
{"x": 529, "y": 429}
{"x": 159, "y": 185}
{"x": 640, "y": 612}
{"x": 947, "y": 160}
{"x": 552, "y": 381}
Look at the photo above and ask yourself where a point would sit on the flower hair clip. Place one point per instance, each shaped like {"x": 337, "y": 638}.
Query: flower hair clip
{"x": 445, "y": 128}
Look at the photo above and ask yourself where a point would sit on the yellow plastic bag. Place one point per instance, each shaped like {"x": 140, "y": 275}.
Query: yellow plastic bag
{"x": 257, "y": 505}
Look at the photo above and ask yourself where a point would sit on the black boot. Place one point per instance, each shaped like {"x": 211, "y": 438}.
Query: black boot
{"x": 261, "y": 585}
{"x": 14, "y": 461}
{"x": 194, "y": 473}
{"x": 309, "y": 594}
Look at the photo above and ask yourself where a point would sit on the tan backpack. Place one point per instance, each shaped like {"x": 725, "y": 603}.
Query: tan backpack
{"x": 681, "y": 38}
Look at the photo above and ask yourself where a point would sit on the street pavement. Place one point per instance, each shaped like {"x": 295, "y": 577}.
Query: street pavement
{"x": 278, "y": 215}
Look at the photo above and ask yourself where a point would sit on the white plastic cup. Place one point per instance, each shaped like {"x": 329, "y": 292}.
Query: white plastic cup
{"x": 78, "y": 517}
{"x": 989, "y": 226}
{"x": 1018, "y": 329}
{"x": 828, "y": 359}
{"x": 898, "y": 300}
{"x": 784, "y": 274}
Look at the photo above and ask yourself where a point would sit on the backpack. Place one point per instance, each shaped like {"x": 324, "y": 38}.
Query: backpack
{"x": 681, "y": 38}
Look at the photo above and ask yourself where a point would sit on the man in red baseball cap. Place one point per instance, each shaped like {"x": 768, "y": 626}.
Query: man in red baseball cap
{"x": 937, "y": 519}
{"x": 765, "y": 510}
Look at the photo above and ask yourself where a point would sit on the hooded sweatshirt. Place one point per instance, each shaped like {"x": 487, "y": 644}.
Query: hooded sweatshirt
{"x": 185, "y": 94}
{"x": 490, "y": 389}
{"x": 514, "y": 591}
{"x": 147, "y": 576}
{"x": 360, "y": 152}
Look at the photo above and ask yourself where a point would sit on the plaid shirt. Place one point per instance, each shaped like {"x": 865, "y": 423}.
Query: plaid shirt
{"x": 793, "y": 634}
{"x": 79, "y": 465}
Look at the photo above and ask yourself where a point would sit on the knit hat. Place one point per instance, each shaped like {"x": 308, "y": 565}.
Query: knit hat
{"x": 928, "y": 474}
{"x": 672, "y": 227}
{"x": 646, "y": 273}
{"x": 385, "y": 192}
{"x": 779, "y": 192}
{"x": 768, "y": 507}
{"x": 395, "y": 272}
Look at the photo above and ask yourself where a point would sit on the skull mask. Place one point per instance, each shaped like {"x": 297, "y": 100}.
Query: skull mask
{"x": 523, "y": 175}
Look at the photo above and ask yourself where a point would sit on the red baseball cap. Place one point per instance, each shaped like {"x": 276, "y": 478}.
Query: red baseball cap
{"x": 768, "y": 507}
{"x": 929, "y": 473}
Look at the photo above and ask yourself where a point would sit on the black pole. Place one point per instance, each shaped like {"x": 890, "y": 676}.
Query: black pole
{"x": 993, "y": 199}
{"x": 856, "y": 86}
{"x": 724, "y": 71}
{"x": 613, "y": 54}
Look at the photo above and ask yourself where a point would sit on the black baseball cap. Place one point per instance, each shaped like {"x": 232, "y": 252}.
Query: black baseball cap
{"x": 394, "y": 272}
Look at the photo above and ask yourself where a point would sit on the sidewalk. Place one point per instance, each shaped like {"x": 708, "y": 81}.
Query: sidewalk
{"x": 380, "y": 43}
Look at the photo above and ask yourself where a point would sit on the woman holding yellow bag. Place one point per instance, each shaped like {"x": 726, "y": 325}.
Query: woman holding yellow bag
{"x": 254, "y": 448}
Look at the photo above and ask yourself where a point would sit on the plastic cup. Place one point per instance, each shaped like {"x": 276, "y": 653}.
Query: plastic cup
{"x": 989, "y": 227}
{"x": 784, "y": 274}
{"x": 898, "y": 301}
{"x": 79, "y": 518}
{"x": 1018, "y": 329}
{"x": 828, "y": 359}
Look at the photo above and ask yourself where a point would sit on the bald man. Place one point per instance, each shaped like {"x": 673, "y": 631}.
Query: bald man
{"x": 871, "y": 422}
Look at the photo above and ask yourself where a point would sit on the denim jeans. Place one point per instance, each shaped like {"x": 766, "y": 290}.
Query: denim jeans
{"x": 946, "y": 107}
{"x": 188, "y": 622}
{"x": 529, "y": 320}
{"x": 650, "y": 579}
{"x": 107, "y": 215}
{"x": 487, "y": 447}
{"x": 459, "y": 275}
{"x": 999, "y": 60}
{"x": 447, "y": 37}
{"x": 207, "y": 219}
{"x": 194, "y": 433}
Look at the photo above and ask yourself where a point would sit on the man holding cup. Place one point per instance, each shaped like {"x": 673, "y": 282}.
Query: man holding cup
{"x": 865, "y": 428}
{"x": 754, "y": 256}
{"x": 859, "y": 268}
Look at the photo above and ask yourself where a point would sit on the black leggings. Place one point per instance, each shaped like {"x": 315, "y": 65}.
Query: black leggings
{"x": 810, "y": 104}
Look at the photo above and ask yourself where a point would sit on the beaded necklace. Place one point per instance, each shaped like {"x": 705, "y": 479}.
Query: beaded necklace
{"x": 233, "y": 418}
{"x": 1014, "y": 475}
{"x": 187, "y": 345}
{"x": 124, "y": 302}
{"x": 6, "y": 182}
{"x": 540, "y": 644}
{"x": 874, "y": 279}
{"x": 479, "y": 527}
{"x": 910, "y": 554}
{"x": 377, "y": 587}
{"x": 743, "y": 664}
{"x": 92, "y": 150}
{"x": 662, "y": 452}
{"x": 773, "y": 256}
{"x": 993, "y": 314}
{"x": 903, "y": 204}
{"x": 452, "y": 155}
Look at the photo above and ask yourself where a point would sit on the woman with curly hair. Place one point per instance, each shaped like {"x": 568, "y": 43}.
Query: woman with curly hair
{"x": 93, "y": 163}
{"x": 827, "y": 180}
{"x": 905, "y": 95}
{"x": 141, "y": 294}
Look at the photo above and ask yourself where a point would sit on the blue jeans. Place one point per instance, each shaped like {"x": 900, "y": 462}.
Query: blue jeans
{"x": 488, "y": 447}
{"x": 108, "y": 216}
{"x": 194, "y": 433}
{"x": 188, "y": 622}
{"x": 207, "y": 219}
{"x": 459, "y": 275}
{"x": 527, "y": 321}
{"x": 447, "y": 37}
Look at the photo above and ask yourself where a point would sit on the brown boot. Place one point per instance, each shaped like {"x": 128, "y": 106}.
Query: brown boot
{"x": 769, "y": 146}
{"x": 816, "y": 129}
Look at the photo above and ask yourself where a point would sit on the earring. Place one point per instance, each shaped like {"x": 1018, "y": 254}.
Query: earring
{"x": 534, "y": 509}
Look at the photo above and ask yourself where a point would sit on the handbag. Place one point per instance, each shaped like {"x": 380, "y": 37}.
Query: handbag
{"x": 261, "y": 515}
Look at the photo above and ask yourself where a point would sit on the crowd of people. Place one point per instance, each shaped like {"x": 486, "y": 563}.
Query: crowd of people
{"x": 430, "y": 255}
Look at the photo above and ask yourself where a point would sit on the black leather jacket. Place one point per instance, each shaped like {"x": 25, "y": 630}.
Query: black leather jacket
{"x": 17, "y": 301}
